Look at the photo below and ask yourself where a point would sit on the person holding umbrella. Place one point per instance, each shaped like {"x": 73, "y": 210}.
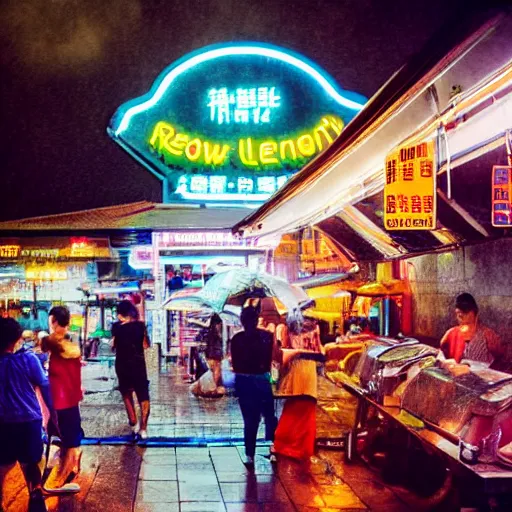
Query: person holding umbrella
{"x": 251, "y": 356}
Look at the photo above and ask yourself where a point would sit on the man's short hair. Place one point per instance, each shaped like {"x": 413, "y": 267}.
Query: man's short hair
{"x": 61, "y": 315}
{"x": 127, "y": 309}
{"x": 466, "y": 303}
{"x": 249, "y": 317}
{"x": 10, "y": 333}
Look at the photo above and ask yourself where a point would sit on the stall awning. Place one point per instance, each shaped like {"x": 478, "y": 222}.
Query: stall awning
{"x": 142, "y": 215}
{"x": 341, "y": 190}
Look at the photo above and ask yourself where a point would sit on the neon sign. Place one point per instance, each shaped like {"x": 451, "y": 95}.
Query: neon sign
{"x": 243, "y": 105}
{"x": 233, "y": 123}
{"x": 9, "y": 251}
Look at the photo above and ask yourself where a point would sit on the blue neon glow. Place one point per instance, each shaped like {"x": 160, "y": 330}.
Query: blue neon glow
{"x": 221, "y": 197}
{"x": 235, "y": 50}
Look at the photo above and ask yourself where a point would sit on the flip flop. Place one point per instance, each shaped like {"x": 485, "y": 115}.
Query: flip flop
{"x": 69, "y": 488}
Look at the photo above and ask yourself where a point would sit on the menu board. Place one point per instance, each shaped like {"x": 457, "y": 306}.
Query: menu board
{"x": 410, "y": 188}
{"x": 501, "y": 190}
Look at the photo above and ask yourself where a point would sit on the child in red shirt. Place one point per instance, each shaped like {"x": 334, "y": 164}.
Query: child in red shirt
{"x": 65, "y": 378}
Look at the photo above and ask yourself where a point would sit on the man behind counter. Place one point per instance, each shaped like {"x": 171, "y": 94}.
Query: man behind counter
{"x": 471, "y": 340}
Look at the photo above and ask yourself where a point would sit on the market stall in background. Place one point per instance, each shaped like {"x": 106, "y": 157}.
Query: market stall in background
{"x": 36, "y": 273}
{"x": 421, "y": 180}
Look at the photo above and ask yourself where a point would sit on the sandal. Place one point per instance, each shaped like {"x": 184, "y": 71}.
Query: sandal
{"x": 67, "y": 488}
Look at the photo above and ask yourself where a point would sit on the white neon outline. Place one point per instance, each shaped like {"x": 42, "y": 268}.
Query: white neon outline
{"x": 234, "y": 50}
{"x": 223, "y": 197}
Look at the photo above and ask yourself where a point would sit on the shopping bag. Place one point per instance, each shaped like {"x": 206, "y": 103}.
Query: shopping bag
{"x": 205, "y": 385}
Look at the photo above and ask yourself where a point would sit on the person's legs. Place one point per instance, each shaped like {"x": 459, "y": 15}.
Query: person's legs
{"x": 130, "y": 407}
{"x": 215, "y": 367}
{"x": 249, "y": 406}
{"x": 268, "y": 411}
{"x": 30, "y": 455}
{"x": 192, "y": 361}
{"x": 145, "y": 410}
{"x": 23, "y": 442}
{"x": 142, "y": 392}
{"x": 70, "y": 456}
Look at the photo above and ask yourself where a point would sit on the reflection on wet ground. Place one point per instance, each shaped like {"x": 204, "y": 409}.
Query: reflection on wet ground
{"x": 176, "y": 413}
{"x": 125, "y": 478}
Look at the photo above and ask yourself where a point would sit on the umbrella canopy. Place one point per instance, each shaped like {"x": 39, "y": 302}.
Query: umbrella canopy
{"x": 244, "y": 282}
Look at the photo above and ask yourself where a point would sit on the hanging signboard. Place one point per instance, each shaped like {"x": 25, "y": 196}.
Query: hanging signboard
{"x": 221, "y": 239}
{"x": 233, "y": 122}
{"x": 501, "y": 196}
{"x": 410, "y": 188}
{"x": 56, "y": 248}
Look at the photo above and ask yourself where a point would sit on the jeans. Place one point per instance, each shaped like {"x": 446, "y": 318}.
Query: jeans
{"x": 255, "y": 397}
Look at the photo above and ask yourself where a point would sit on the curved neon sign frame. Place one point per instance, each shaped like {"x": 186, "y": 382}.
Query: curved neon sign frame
{"x": 165, "y": 80}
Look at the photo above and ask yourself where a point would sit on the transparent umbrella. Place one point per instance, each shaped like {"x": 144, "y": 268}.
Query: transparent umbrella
{"x": 244, "y": 282}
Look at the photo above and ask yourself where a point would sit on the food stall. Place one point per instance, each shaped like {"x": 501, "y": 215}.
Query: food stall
{"x": 455, "y": 418}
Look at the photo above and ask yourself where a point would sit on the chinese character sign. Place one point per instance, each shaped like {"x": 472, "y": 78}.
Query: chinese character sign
{"x": 410, "y": 188}
{"x": 9, "y": 251}
{"x": 501, "y": 202}
{"x": 253, "y": 105}
{"x": 233, "y": 122}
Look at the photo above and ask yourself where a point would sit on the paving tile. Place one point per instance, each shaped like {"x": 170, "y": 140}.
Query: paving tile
{"x": 197, "y": 491}
{"x": 340, "y": 497}
{"x": 277, "y": 507}
{"x": 311, "y": 509}
{"x": 159, "y": 458}
{"x": 157, "y": 472}
{"x": 156, "y": 507}
{"x": 119, "y": 465}
{"x": 304, "y": 494}
{"x": 203, "y": 506}
{"x": 243, "y": 507}
{"x": 197, "y": 466}
{"x": 197, "y": 477}
{"x": 270, "y": 491}
{"x": 227, "y": 463}
{"x": 157, "y": 492}
{"x": 232, "y": 476}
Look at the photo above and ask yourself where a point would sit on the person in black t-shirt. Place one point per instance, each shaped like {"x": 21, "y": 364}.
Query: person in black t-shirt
{"x": 129, "y": 341}
{"x": 251, "y": 356}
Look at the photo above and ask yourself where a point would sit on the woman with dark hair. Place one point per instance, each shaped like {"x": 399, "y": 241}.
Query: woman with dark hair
{"x": 214, "y": 352}
{"x": 130, "y": 338}
{"x": 470, "y": 340}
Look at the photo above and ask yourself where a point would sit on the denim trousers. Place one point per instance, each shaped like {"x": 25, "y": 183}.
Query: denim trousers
{"x": 255, "y": 397}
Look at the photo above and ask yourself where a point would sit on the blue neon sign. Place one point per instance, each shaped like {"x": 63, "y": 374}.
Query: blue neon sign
{"x": 233, "y": 122}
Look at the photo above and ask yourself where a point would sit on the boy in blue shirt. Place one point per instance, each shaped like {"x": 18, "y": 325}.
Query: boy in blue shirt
{"x": 20, "y": 412}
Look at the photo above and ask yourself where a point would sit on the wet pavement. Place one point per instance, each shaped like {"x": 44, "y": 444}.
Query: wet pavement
{"x": 211, "y": 478}
{"x": 179, "y": 415}
{"x": 131, "y": 478}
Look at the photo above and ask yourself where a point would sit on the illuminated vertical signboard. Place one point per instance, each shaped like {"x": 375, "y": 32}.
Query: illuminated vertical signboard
{"x": 501, "y": 196}
{"x": 410, "y": 188}
{"x": 233, "y": 122}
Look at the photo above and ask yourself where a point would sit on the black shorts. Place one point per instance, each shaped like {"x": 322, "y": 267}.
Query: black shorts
{"x": 70, "y": 427}
{"x": 21, "y": 442}
{"x": 133, "y": 379}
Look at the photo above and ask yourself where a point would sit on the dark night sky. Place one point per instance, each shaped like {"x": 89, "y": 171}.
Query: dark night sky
{"x": 67, "y": 65}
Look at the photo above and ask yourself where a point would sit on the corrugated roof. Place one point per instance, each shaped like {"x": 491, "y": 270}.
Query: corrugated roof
{"x": 142, "y": 215}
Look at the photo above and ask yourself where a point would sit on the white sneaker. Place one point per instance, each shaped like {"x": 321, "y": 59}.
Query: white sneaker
{"x": 135, "y": 429}
{"x": 249, "y": 461}
{"x": 143, "y": 434}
